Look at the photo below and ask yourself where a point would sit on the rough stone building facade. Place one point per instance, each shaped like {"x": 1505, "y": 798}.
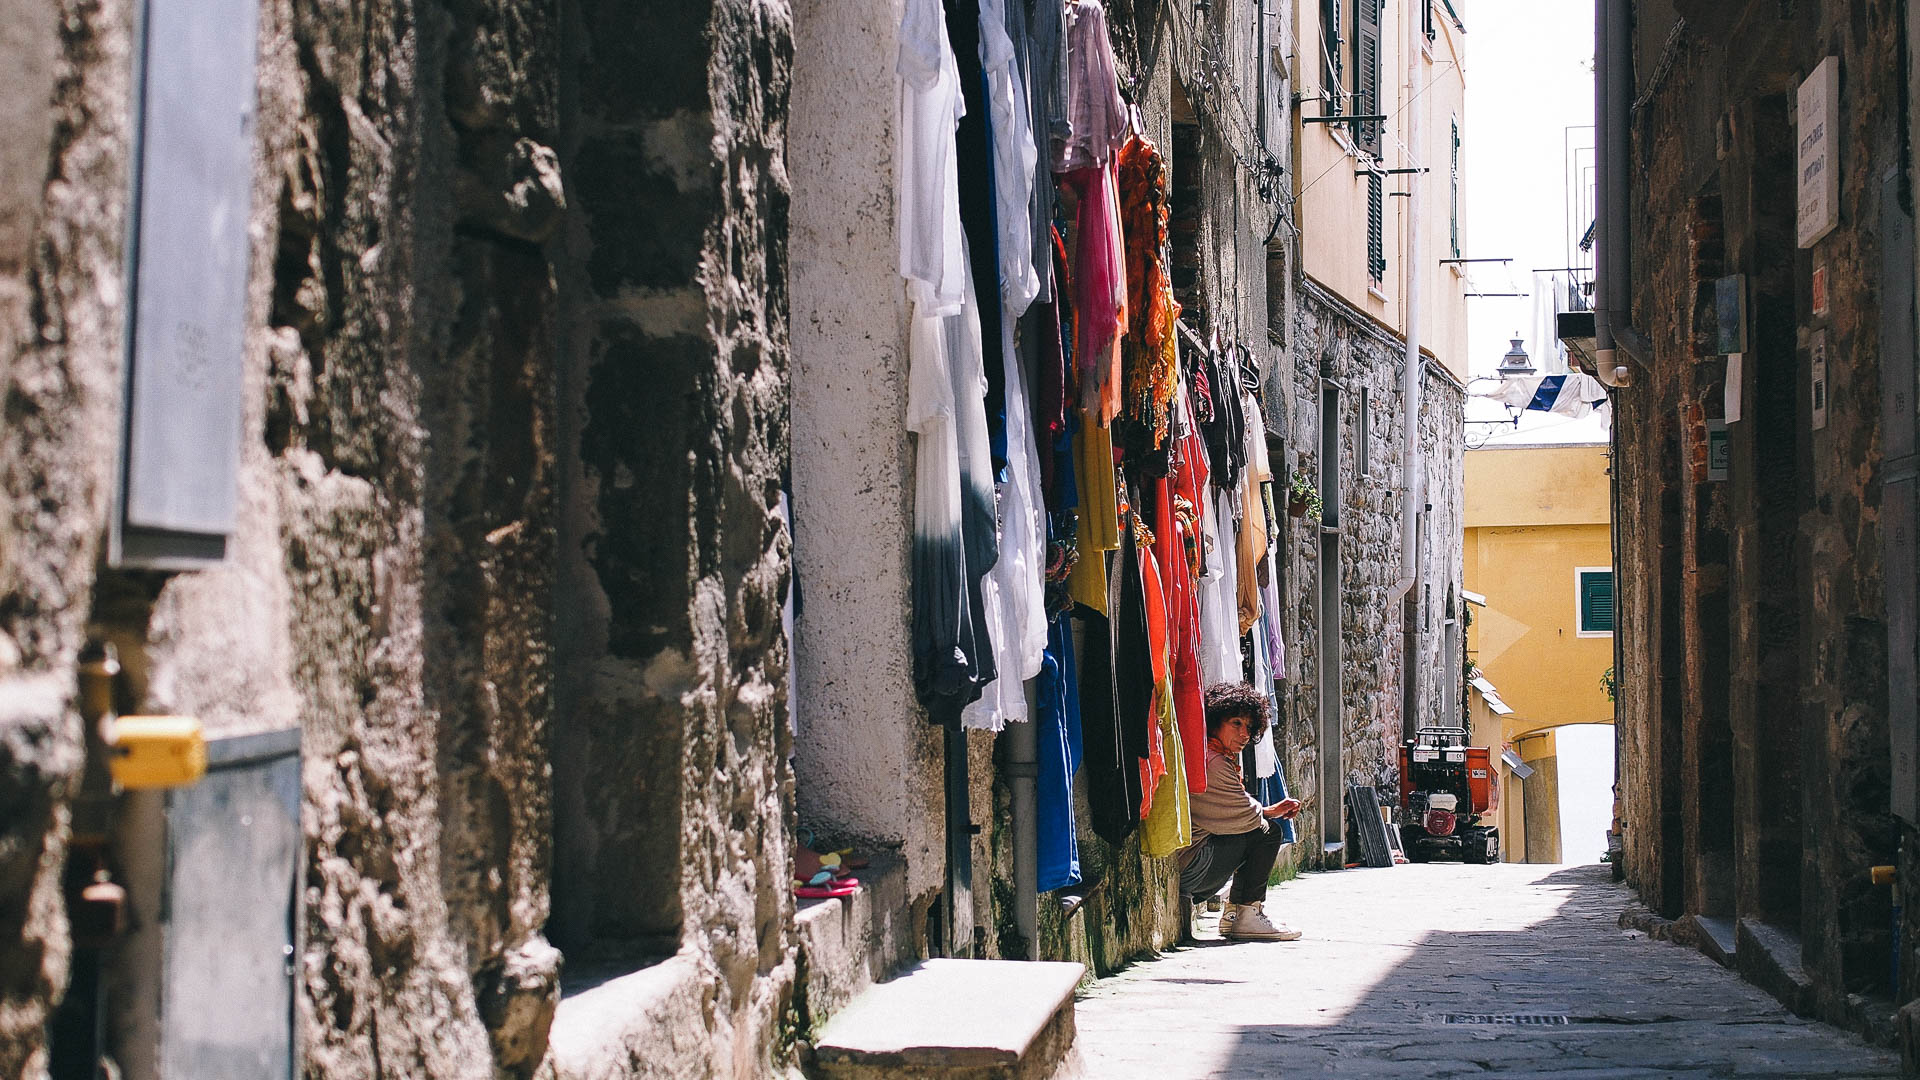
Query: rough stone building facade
{"x": 574, "y": 347}
{"x": 1766, "y": 586}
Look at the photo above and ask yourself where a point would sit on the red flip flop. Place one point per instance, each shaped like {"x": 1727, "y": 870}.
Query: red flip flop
{"x": 828, "y": 890}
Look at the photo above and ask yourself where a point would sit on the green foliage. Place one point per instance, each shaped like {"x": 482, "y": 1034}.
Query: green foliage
{"x": 1607, "y": 682}
{"x": 1300, "y": 489}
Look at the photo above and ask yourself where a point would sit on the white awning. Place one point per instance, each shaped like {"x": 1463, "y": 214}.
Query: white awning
{"x": 1490, "y": 695}
{"x": 1512, "y": 761}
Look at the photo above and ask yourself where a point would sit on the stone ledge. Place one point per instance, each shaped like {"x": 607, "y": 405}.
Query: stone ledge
{"x": 1769, "y": 958}
{"x": 848, "y": 944}
{"x": 979, "y": 1019}
{"x": 645, "y": 1024}
{"x": 1716, "y": 936}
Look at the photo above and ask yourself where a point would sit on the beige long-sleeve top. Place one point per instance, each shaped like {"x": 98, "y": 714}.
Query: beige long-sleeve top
{"x": 1225, "y": 808}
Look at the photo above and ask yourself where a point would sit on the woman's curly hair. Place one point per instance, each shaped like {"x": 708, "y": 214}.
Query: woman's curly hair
{"x": 1226, "y": 700}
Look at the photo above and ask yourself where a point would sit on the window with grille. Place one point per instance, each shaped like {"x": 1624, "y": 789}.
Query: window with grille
{"x": 1595, "y": 594}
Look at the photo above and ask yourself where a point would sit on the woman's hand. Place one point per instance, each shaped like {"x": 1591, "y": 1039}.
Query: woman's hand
{"x": 1285, "y": 808}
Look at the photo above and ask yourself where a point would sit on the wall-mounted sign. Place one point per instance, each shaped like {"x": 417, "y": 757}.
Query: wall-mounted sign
{"x": 1730, "y": 312}
{"x": 1820, "y": 305}
{"x": 1818, "y": 131}
{"x": 1730, "y": 396}
{"x": 1817, "y": 385}
{"x": 1719, "y": 450}
{"x": 187, "y": 321}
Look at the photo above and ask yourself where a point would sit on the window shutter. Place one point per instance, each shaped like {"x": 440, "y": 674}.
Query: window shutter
{"x": 1366, "y": 74}
{"x": 1596, "y": 603}
{"x": 1376, "y": 228}
{"x": 1331, "y": 77}
{"x": 1453, "y": 191}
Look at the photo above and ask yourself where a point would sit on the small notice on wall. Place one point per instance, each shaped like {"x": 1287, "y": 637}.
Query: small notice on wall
{"x": 1730, "y": 312}
{"x": 1817, "y": 393}
{"x": 1730, "y": 397}
{"x": 1820, "y": 306}
{"x": 1719, "y": 450}
{"x": 1818, "y": 132}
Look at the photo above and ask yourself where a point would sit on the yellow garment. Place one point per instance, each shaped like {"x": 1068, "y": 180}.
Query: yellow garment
{"x": 1168, "y": 826}
{"x": 1099, "y": 529}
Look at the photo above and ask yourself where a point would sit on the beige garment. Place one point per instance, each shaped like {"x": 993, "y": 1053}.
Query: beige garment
{"x": 1225, "y": 808}
{"x": 1251, "y": 545}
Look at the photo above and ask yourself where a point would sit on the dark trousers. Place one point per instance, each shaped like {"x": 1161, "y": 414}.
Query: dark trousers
{"x": 1246, "y": 857}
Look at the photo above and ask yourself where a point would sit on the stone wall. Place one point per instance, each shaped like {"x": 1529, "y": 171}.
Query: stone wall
{"x": 1751, "y": 612}
{"x": 408, "y": 477}
{"x": 63, "y": 174}
{"x": 1334, "y": 343}
{"x": 672, "y": 738}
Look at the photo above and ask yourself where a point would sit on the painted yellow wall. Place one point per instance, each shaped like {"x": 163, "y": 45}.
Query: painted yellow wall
{"x": 1536, "y": 485}
{"x": 1332, "y": 200}
{"x": 1533, "y": 515}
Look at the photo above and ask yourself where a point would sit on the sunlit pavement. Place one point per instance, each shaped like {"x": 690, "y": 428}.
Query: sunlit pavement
{"x": 1390, "y": 955}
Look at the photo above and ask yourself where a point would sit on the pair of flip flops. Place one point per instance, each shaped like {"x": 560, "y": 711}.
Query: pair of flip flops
{"x": 823, "y": 875}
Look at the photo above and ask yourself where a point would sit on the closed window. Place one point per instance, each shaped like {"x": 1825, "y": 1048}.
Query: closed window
{"x": 1595, "y": 598}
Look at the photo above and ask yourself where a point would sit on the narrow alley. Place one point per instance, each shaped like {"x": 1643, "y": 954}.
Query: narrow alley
{"x": 821, "y": 539}
{"x": 1452, "y": 970}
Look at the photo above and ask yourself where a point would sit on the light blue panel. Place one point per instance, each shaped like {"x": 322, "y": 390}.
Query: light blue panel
{"x": 190, "y": 274}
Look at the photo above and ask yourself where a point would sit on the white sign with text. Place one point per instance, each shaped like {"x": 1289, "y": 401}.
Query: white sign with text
{"x": 1818, "y": 132}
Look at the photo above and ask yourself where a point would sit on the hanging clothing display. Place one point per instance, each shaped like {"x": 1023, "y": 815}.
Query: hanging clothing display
{"x": 1014, "y": 156}
{"x": 948, "y": 652}
{"x": 1099, "y": 289}
{"x": 1113, "y": 775}
{"x": 1016, "y": 608}
{"x": 1151, "y": 359}
{"x": 1058, "y": 741}
{"x": 1255, "y": 501}
{"x": 1078, "y": 464}
{"x": 1042, "y": 38}
{"x": 1099, "y": 516}
{"x": 1095, "y": 112}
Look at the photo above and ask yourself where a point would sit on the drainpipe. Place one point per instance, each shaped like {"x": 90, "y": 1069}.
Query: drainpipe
{"x": 1616, "y": 341}
{"x": 1023, "y": 769}
{"x": 1414, "y": 478}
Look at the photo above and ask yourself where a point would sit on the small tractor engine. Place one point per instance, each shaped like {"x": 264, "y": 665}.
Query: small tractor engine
{"x": 1445, "y": 785}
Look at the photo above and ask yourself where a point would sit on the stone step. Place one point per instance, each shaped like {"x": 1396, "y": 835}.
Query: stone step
{"x": 971, "y": 1019}
{"x": 1717, "y": 938}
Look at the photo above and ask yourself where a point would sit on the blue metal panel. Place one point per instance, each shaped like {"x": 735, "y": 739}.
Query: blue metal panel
{"x": 233, "y": 858}
{"x": 188, "y": 319}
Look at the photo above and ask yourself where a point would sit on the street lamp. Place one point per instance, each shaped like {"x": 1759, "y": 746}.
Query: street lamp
{"x": 1516, "y": 364}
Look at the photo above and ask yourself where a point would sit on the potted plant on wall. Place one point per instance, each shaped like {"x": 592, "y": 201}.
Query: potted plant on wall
{"x": 1302, "y": 497}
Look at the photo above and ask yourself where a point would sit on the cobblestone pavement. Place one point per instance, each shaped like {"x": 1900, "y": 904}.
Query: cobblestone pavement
{"x": 1389, "y": 955}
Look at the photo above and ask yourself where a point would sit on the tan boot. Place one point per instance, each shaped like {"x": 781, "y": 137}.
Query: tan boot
{"x": 1249, "y": 922}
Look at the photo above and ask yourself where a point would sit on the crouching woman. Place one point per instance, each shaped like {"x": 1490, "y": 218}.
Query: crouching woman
{"x": 1232, "y": 835}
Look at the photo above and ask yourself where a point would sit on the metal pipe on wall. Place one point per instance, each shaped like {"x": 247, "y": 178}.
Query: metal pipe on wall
{"x": 1023, "y": 770}
{"x": 1412, "y": 454}
{"x": 1615, "y": 340}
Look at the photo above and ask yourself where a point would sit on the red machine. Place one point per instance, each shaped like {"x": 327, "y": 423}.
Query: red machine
{"x": 1445, "y": 785}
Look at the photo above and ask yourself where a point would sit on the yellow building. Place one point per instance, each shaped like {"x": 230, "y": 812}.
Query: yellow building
{"x": 1538, "y": 551}
{"x": 1401, "y": 59}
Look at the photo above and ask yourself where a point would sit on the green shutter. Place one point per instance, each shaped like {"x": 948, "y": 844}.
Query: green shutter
{"x": 1376, "y": 228}
{"x": 1453, "y": 192}
{"x": 1596, "y": 602}
{"x": 1366, "y": 75}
